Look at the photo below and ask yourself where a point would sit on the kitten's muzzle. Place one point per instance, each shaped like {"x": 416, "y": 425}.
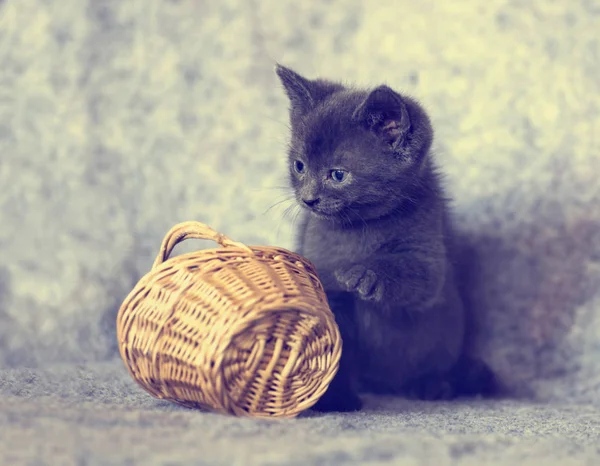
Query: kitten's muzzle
{"x": 322, "y": 208}
{"x": 311, "y": 202}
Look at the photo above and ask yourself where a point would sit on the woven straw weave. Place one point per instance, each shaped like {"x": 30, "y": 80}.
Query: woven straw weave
{"x": 240, "y": 330}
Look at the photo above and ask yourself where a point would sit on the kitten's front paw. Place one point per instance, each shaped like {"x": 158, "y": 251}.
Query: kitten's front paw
{"x": 361, "y": 280}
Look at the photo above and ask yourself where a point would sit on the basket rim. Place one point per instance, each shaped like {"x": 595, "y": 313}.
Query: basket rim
{"x": 150, "y": 275}
{"x": 232, "y": 250}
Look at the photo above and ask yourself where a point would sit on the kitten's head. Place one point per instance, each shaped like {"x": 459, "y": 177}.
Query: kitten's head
{"x": 354, "y": 154}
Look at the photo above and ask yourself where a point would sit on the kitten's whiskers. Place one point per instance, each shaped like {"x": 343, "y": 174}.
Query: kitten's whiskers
{"x": 278, "y": 203}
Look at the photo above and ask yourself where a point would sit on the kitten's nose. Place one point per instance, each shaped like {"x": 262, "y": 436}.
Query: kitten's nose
{"x": 311, "y": 202}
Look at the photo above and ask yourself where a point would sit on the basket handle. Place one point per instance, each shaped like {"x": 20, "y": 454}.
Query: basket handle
{"x": 196, "y": 230}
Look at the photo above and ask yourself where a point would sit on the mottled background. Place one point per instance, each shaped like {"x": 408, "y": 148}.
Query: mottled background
{"x": 120, "y": 118}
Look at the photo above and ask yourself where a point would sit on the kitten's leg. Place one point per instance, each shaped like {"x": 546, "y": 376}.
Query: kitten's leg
{"x": 417, "y": 312}
{"x": 469, "y": 377}
{"x": 430, "y": 387}
{"x": 342, "y": 393}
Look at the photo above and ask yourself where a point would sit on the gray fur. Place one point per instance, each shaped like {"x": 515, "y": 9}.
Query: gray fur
{"x": 381, "y": 238}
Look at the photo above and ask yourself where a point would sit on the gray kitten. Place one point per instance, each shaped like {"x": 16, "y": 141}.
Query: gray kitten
{"x": 377, "y": 228}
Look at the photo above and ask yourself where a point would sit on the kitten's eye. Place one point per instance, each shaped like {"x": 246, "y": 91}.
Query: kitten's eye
{"x": 338, "y": 175}
{"x": 299, "y": 166}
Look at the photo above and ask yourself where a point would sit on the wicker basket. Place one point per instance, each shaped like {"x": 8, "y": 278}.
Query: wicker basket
{"x": 237, "y": 330}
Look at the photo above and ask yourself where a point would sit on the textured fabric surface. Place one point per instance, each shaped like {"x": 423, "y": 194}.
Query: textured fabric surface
{"x": 94, "y": 415}
{"x": 120, "y": 118}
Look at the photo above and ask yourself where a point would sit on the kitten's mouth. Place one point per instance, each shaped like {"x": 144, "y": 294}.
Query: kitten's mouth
{"x": 321, "y": 214}
{"x": 328, "y": 214}
{"x": 343, "y": 214}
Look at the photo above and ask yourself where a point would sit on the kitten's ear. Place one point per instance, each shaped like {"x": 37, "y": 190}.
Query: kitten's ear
{"x": 297, "y": 88}
{"x": 304, "y": 93}
{"x": 385, "y": 113}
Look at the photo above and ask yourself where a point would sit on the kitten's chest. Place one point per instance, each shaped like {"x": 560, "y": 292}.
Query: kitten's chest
{"x": 330, "y": 248}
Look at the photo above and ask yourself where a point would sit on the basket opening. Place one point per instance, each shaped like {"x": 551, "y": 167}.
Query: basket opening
{"x": 281, "y": 361}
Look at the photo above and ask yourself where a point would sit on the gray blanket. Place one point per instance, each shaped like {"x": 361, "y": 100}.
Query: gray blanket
{"x": 120, "y": 118}
{"x": 94, "y": 415}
